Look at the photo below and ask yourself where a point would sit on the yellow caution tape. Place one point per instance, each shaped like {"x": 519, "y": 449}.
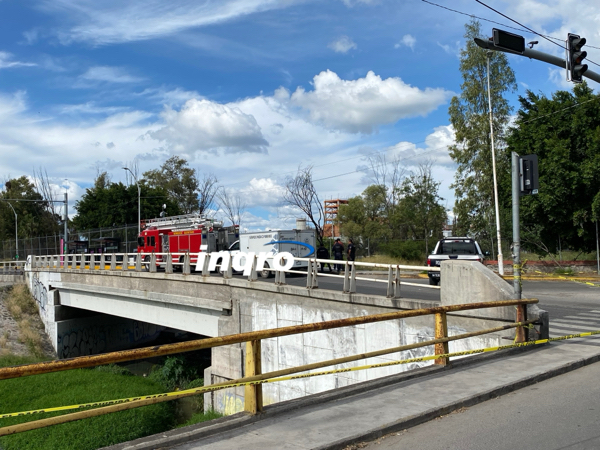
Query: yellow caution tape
{"x": 205, "y": 389}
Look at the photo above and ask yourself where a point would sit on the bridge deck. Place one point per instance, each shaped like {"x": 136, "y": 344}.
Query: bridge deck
{"x": 369, "y": 410}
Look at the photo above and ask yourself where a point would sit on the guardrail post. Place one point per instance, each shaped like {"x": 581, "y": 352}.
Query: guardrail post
{"x": 390, "y": 285}
{"x": 102, "y": 261}
{"x": 352, "y": 288}
{"x": 205, "y": 271}
{"x": 309, "y": 275}
{"x": 441, "y": 331}
{"x": 138, "y": 262}
{"x": 253, "y": 275}
{"x": 169, "y": 263}
{"x": 186, "y": 264}
{"x": 346, "y": 277}
{"x": 152, "y": 268}
{"x": 397, "y": 283}
{"x": 125, "y": 263}
{"x": 280, "y": 277}
{"x": 113, "y": 262}
{"x": 253, "y": 399}
{"x": 521, "y": 333}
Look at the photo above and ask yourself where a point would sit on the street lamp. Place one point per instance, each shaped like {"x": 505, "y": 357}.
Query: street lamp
{"x": 500, "y": 257}
{"x": 16, "y": 235}
{"x": 139, "y": 193}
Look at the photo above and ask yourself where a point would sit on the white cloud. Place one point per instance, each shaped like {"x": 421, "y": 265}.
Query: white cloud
{"x": 109, "y": 75}
{"x": 6, "y": 61}
{"x": 453, "y": 50}
{"x": 115, "y": 21}
{"x": 203, "y": 125}
{"x": 408, "y": 41}
{"x": 342, "y": 44}
{"x": 261, "y": 192}
{"x": 360, "y": 106}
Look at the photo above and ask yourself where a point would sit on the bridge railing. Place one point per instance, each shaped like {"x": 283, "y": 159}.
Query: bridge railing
{"x": 187, "y": 263}
{"x": 11, "y": 267}
{"x": 254, "y": 376}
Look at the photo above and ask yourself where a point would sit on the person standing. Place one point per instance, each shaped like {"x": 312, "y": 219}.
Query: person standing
{"x": 351, "y": 250}
{"x": 338, "y": 253}
{"x": 323, "y": 253}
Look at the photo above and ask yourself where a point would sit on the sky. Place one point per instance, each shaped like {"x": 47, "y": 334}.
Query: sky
{"x": 251, "y": 90}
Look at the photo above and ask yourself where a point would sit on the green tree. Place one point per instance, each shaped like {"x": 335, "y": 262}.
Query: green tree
{"x": 564, "y": 131}
{"x": 420, "y": 208}
{"x": 106, "y": 203}
{"x": 365, "y": 216}
{"x": 34, "y": 218}
{"x": 473, "y": 184}
{"x": 182, "y": 185}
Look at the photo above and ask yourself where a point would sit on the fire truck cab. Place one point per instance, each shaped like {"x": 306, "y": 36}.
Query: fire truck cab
{"x": 187, "y": 233}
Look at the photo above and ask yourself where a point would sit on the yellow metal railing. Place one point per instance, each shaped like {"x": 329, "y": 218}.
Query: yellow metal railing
{"x": 253, "y": 387}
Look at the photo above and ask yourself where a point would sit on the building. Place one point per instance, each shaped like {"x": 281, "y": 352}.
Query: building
{"x": 330, "y": 228}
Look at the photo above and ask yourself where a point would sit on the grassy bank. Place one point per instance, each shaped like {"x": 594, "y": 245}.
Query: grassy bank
{"x": 87, "y": 385}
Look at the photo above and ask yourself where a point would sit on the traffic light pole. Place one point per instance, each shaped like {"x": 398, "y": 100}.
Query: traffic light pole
{"x": 516, "y": 247}
{"x": 534, "y": 54}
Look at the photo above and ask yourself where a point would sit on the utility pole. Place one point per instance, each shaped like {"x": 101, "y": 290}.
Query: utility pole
{"x": 516, "y": 247}
{"x": 500, "y": 257}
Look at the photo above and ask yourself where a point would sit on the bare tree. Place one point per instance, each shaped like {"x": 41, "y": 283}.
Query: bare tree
{"x": 44, "y": 188}
{"x": 207, "y": 190}
{"x": 301, "y": 193}
{"x": 232, "y": 204}
{"x": 388, "y": 173}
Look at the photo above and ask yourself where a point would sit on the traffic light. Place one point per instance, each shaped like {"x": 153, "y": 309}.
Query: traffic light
{"x": 576, "y": 57}
{"x": 528, "y": 174}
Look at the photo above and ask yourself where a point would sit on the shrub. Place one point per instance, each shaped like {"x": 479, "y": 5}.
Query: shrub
{"x": 406, "y": 250}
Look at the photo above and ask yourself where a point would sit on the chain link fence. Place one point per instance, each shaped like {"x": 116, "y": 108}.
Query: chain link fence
{"x": 50, "y": 245}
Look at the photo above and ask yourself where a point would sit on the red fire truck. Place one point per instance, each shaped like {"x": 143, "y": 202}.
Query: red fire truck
{"x": 183, "y": 234}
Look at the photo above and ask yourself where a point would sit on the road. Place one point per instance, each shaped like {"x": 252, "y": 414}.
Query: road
{"x": 560, "y": 413}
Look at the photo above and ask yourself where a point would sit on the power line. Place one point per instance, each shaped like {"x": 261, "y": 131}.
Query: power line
{"x": 558, "y": 112}
{"x": 532, "y": 31}
{"x": 497, "y": 23}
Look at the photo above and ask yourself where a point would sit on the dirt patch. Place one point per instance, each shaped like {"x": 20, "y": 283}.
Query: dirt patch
{"x": 16, "y": 336}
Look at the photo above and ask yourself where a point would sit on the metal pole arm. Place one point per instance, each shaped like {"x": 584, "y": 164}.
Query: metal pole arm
{"x": 540, "y": 56}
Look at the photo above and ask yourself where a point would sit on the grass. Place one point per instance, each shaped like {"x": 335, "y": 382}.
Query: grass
{"x": 87, "y": 385}
{"x": 74, "y": 387}
{"x": 385, "y": 259}
{"x": 23, "y": 309}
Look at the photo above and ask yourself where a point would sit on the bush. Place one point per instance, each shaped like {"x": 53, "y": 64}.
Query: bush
{"x": 406, "y": 250}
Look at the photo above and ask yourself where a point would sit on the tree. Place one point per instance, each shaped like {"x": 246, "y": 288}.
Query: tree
{"x": 232, "y": 205}
{"x": 564, "y": 131}
{"x": 106, "y": 204}
{"x": 34, "y": 217}
{"x": 473, "y": 184}
{"x": 300, "y": 192}
{"x": 179, "y": 181}
{"x": 420, "y": 208}
{"x": 365, "y": 216}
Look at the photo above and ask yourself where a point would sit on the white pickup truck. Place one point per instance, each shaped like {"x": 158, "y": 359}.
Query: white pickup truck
{"x": 449, "y": 248}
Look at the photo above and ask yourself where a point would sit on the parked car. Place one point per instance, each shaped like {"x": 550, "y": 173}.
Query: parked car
{"x": 462, "y": 248}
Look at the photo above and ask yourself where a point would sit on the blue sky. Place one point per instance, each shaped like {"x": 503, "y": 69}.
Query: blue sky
{"x": 249, "y": 89}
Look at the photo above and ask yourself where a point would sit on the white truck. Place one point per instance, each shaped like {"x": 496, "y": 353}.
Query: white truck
{"x": 300, "y": 243}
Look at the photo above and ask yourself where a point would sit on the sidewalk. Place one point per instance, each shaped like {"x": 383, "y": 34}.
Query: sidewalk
{"x": 369, "y": 410}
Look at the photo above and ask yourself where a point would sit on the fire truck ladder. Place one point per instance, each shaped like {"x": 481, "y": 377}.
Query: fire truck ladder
{"x": 186, "y": 221}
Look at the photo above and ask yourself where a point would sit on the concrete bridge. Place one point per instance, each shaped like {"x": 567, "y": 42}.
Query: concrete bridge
{"x": 109, "y": 307}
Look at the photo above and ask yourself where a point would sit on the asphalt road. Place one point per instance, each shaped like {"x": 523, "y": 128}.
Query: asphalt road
{"x": 560, "y": 413}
